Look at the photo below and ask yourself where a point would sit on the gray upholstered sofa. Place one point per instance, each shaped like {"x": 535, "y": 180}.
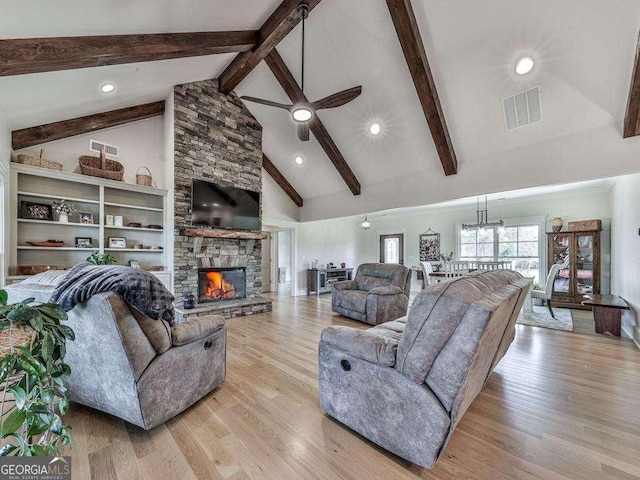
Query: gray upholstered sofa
{"x": 142, "y": 370}
{"x": 378, "y": 293}
{"x": 405, "y": 384}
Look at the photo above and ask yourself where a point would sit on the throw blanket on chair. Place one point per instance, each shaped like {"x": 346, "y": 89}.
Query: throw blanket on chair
{"x": 140, "y": 289}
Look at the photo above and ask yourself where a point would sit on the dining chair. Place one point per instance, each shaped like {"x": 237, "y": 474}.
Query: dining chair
{"x": 427, "y": 270}
{"x": 548, "y": 287}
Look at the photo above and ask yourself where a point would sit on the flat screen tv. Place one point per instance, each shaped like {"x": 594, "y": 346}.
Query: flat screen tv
{"x": 217, "y": 206}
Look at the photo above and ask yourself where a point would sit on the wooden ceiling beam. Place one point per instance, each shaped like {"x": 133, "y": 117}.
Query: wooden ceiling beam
{"x": 272, "y": 170}
{"x": 28, "y": 137}
{"x": 278, "y": 25}
{"x": 631, "y": 127}
{"x": 35, "y": 55}
{"x": 290, "y": 86}
{"x": 404, "y": 21}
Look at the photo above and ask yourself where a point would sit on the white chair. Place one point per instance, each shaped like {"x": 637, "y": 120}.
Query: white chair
{"x": 427, "y": 269}
{"x": 456, "y": 268}
{"x": 548, "y": 287}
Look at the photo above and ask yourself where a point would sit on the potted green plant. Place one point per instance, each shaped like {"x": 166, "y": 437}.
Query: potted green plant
{"x": 33, "y": 345}
{"x": 98, "y": 258}
{"x": 446, "y": 257}
{"x": 63, "y": 210}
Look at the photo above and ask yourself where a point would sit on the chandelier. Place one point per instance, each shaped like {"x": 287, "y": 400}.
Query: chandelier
{"x": 366, "y": 224}
{"x": 482, "y": 219}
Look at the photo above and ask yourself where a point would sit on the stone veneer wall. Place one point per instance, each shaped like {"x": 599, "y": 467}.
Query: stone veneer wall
{"x": 217, "y": 140}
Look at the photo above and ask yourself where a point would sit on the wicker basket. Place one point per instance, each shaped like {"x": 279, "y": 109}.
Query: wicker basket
{"x": 15, "y": 336}
{"x": 144, "y": 179}
{"x": 101, "y": 167}
{"x": 39, "y": 161}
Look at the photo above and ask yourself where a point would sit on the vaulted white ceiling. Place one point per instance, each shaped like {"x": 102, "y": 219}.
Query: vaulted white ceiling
{"x": 583, "y": 49}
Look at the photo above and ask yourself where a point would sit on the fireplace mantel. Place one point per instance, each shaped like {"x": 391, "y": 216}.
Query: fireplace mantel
{"x": 208, "y": 233}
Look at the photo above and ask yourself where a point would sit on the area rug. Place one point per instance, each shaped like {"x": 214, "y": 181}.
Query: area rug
{"x": 542, "y": 318}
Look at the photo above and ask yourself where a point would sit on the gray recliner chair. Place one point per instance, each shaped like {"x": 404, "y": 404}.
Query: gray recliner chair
{"x": 126, "y": 364}
{"x": 378, "y": 293}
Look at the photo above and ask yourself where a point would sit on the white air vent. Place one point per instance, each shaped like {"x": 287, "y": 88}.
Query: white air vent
{"x": 96, "y": 146}
{"x": 522, "y": 109}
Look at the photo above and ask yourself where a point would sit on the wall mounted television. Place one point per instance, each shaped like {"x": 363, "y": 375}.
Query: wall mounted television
{"x": 219, "y": 206}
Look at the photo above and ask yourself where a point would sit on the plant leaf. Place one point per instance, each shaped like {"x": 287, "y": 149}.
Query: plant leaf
{"x": 56, "y": 426}
{"x": 47, "y": 346}
{"x": 27, "y": 301}
{"x": 36, "y": 322}
{"x": 68, "y": 332}
{"x": 19, "y": 396}
{"x": 12, "y": 422}
{"x": 22, "y": 314}
{"x": 31, "y": 366}
{"x": 63, "y": 406}
{"x": 4, "y": 296}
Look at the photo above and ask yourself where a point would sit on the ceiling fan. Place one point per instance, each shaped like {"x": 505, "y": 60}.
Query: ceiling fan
{"x": 302, "y": 113}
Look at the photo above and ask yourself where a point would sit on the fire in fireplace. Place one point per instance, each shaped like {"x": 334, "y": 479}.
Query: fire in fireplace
{"x": 217, "y": 284}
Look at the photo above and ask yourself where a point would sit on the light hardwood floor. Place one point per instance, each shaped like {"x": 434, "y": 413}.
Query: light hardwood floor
{"x": 560, "y": 405}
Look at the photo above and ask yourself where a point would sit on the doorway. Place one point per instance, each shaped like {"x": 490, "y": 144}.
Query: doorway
{"x": 392, "y": 248}
{"x": 285, "y": 268}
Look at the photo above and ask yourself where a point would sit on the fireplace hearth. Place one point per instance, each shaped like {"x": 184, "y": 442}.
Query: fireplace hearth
{"x": 219, "y": 284}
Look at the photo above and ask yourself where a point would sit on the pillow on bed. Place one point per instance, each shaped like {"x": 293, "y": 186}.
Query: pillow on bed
{"x": 50, "y": 277}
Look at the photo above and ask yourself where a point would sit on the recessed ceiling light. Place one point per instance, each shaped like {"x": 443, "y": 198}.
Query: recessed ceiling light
{"x": 375, "y": 128}
{"x": 524, "y": 65}
{"x": 107, "y": 87}
{"x": 298, "y": 160}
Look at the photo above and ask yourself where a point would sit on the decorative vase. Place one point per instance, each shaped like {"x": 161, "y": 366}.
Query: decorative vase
{"x": 556, "y": 224}
{"x": 189, "y": 301}
{"x": 63, "y": 218}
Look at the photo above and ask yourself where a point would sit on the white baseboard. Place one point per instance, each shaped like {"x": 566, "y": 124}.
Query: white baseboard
{"x": 632, "y": 330}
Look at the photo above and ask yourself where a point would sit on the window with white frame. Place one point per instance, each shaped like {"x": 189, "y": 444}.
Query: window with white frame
{"x": 519, "y": 244}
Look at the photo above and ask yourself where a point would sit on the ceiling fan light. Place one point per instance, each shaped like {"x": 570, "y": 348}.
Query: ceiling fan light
{"x": 301, "y": 113}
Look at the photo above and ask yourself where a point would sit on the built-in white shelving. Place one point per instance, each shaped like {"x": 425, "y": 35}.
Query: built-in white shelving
{"x": 97, "y": 196}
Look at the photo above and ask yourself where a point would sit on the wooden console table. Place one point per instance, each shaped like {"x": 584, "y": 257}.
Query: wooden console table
{"x": 322, "y": 280}
{"x": 607, "y": 312}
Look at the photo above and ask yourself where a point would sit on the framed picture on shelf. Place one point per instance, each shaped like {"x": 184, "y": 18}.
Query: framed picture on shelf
{"x": 118, "y": 221}
{"x": 109, "y": 220}
{"x": 36, "y": 211}
{"x": 84, "y": 242}
{"x": 86, "y": 218}
{"x": 117, "y": 242}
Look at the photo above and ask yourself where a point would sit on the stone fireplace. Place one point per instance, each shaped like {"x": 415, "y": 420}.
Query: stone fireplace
{"x": 216, "y": 139}
{"x": 218, "y": 284}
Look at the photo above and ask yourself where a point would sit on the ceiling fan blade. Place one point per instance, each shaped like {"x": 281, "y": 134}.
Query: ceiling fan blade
{"x": 266, "y": 102}
{"x": 303, "y": 132}
{"x": 338, "y": 99}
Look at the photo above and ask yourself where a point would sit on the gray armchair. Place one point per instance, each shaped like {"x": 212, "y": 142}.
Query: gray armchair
{"x": 126, "y": 364}
{"x": 378, "y": 293}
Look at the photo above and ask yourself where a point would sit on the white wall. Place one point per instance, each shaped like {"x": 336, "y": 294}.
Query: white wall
{"x": 276, "y": 205}
{"x": 140, "y": 144}
{"x": 5, "y": 159}
{"x": 592, "y": 154}
{"x": 625, "y": 258}
{"x": 169, "y": 174}
{"x": 339, "y": 240}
